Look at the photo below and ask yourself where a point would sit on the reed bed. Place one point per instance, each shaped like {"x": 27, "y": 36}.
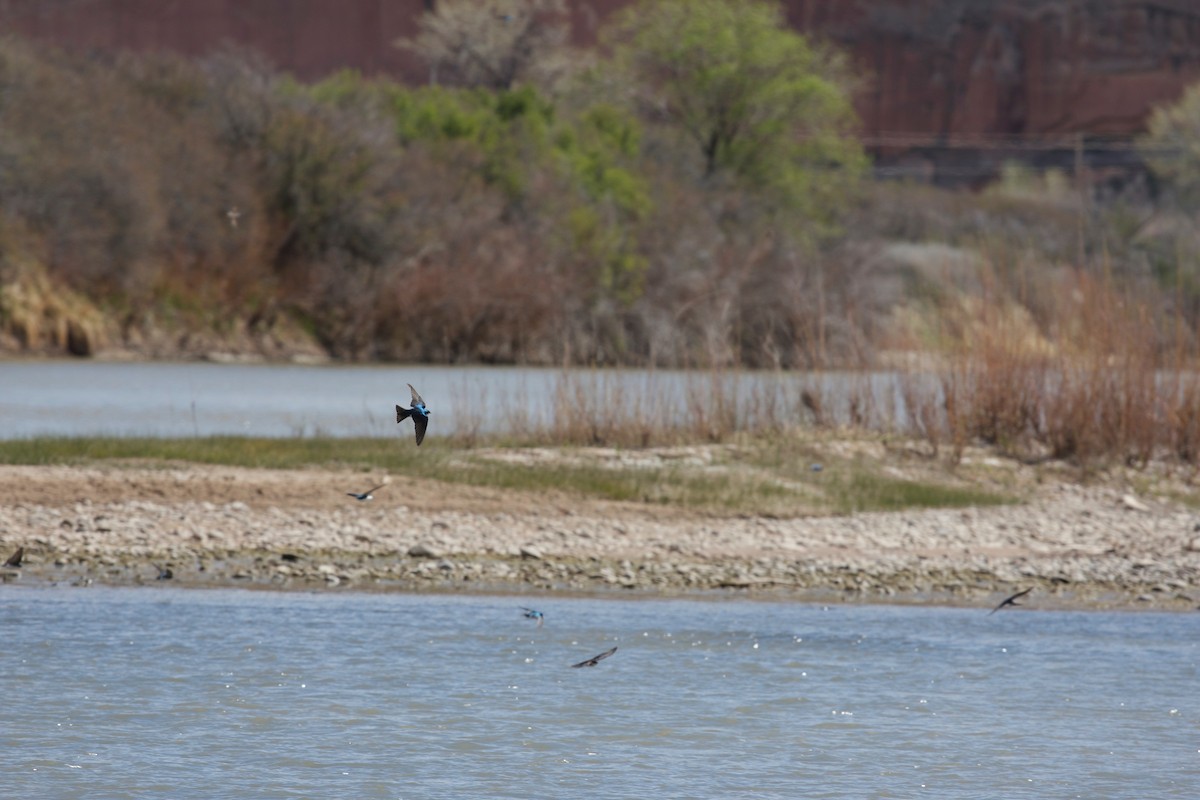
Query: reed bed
{"x": 1103, "y": 386}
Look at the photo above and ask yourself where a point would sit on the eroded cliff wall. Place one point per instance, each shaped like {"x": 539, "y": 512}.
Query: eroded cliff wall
{"x": 936, "y": 68}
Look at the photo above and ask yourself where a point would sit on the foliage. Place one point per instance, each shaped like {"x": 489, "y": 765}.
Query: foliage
{"x": 1171, "y": 145}
{"x": 755, "y": 100}
{"x": 689, "y": 202}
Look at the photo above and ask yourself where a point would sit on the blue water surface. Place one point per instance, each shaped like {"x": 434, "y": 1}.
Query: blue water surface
{"x": 158, "y": 692}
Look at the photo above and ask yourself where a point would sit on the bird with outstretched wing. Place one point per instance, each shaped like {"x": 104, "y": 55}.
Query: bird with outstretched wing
{"x": 369, "y": 494}
{"x": 1011, "y": 600}
{"x": 419, "y": 413}
{"x": 594, "y": 660}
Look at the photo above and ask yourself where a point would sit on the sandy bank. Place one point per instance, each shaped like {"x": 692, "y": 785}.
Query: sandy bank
{"x": 218, "y": 526}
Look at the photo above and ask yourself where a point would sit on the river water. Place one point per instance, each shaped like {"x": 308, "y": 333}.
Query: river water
{"x": 148, "y": 692}
{"x": 87, "y": 398}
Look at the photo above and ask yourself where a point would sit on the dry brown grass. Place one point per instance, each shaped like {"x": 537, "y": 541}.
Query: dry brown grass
{"x": 1101, "y": 390}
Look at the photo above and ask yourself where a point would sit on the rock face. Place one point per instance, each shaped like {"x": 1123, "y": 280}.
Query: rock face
{"x": 936, "y": 71}
{"x": 963, "y": 67}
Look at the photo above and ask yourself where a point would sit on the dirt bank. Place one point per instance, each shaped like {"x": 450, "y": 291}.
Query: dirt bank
{"x": 1080, "y": 547}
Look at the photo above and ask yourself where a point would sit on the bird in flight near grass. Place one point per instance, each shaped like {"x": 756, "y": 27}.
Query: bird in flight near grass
{"x": 418, "y": 412}
{"x": 533, "y": 613}
{"x": 1010, "y": 601}
{"x": 368, "y": 494}
{"x": 594, "y": 660}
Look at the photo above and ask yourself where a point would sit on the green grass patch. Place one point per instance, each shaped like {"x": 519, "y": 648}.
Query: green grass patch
{"x": 866, "y": 491}
{"x": 233, "y": 451}
{"x": 759, "y": 478}
{"x": 668, "y": 486}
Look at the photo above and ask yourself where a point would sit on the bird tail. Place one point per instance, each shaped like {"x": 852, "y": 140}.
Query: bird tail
{"x": 402, "y": 413}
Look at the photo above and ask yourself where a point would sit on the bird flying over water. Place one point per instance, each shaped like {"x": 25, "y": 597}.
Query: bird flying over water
{"x": 1010, "y": 601}
{"x": 368, "y": 494}
{"x": 533, "y": 613}
{"x": 16, "y": 558}
{"x": 418, "y": 412}
{"x": 594, "y": 660}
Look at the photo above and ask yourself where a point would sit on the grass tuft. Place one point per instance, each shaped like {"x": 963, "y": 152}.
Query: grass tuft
{"x": 771, "y": 476}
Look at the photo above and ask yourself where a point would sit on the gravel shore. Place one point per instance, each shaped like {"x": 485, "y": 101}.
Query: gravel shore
{"x": 1078, "y": 546}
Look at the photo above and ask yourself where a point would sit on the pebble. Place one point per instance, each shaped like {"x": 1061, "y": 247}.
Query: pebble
{"x": 1080, "y": 542}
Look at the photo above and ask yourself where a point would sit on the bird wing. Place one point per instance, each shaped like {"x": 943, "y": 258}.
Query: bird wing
{"x": 594, "y": 660}
{"x": 420, "y": 423}
{"x": 605, "y": 654}
{"x": 16, "y": 558}
{"x": 374, "y": 489}
{"x": 1008, "y": 601}
{"x": 416, "y": 398}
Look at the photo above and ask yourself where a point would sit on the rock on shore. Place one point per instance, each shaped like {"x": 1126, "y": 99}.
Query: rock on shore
{"x": 219, "y": 526}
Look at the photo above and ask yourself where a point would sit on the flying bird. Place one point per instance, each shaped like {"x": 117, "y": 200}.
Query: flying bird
{"x": 533, "y": 613}
{"x": 16, "y": 558}
{"x": 1010, "y": 601}
{"x": 164, "y": 574}
{"x": 594, "y": 660}
{"x": 418, "y": 412}
{"x": 368, "y": 494}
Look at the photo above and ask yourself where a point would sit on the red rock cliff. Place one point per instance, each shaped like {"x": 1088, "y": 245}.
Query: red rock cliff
{"x": 937, "y": 68}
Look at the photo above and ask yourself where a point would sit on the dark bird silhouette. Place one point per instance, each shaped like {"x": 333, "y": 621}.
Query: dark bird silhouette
{"x": 1010, "y": 601}
{"x": 594, "y": 660}
{"x": 418, "y": 412}
{"x": 533, "y": 613}
{"x": 368, "y": 494}
{"x": 165, "y": 574}
{"x": 16, "y": 558}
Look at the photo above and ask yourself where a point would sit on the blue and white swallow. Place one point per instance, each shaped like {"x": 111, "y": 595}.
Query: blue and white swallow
{"x": 533, "y": 613}
{"x": 369, "y": 494}
{"x": 418, "y": 412}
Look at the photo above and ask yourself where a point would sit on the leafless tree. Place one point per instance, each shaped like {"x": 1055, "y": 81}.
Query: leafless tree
{"x": 495, "y": 43}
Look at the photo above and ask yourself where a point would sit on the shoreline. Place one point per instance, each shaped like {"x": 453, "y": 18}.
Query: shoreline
{"x": 1079, "y": 547}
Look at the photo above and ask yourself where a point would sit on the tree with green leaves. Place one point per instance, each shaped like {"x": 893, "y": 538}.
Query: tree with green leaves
{"x": 750, "y": 98}
{"x": 1171, "y": 146}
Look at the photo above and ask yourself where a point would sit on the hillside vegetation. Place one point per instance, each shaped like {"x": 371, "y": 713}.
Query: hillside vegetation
{"x": 690, "y": 194}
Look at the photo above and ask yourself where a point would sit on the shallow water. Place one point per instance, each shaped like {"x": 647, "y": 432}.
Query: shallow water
{"x": 124, "y": 693}
{"x": 86, "y": 398}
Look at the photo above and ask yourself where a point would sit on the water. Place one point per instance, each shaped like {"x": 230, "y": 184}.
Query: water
{"x": 64, "y": 398}
{"x": 132, "y": 693}
{"x": 81, "y": 398}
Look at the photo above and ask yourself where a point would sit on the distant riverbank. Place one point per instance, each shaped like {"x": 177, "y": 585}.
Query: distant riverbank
{"x": 1076, "y": 546}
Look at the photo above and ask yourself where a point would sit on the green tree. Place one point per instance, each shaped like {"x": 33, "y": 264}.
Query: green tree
{"x": 1171, "y": 145}
{"x": 752, "y": 98}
